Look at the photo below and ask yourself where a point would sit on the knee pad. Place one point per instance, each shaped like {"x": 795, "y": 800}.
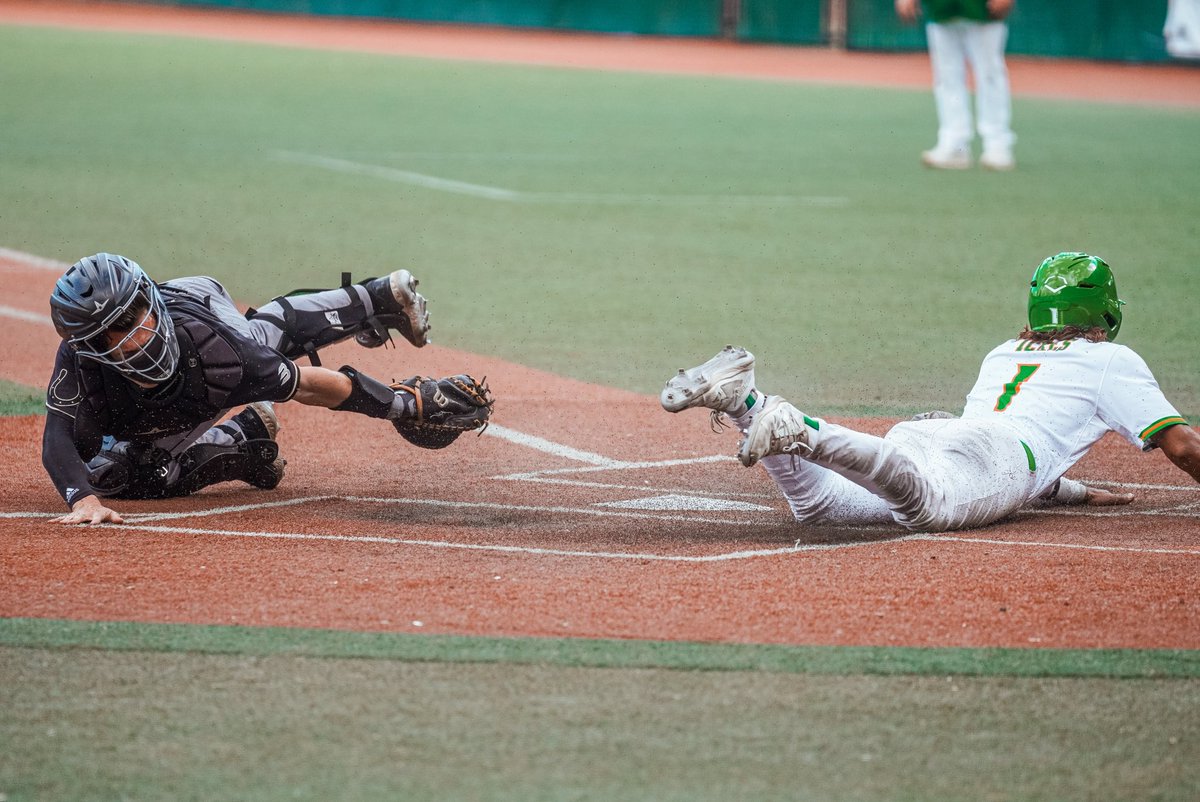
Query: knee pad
{"x": 131, "y": 471}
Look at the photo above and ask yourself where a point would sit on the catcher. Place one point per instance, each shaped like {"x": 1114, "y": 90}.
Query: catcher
{"x": 145, "y": 371}
{"x": 1041, "y": 401}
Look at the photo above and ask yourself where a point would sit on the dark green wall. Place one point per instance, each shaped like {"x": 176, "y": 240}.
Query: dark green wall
{"x": 1122, "y": 30}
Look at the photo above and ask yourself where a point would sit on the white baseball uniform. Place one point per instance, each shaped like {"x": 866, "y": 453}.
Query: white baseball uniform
{"x": 1034, "y": 411}
{"x": 952, "y": 44}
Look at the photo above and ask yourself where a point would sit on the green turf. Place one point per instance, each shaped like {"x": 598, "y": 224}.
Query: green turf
{"x": 17, "y": 399}
{"x": 580, "y": 652}
{"x": 167, "y": 150}
{"x": 126, "y": 711}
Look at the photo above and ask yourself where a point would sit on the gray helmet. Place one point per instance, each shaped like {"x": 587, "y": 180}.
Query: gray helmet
{"x": 104, "y": 292}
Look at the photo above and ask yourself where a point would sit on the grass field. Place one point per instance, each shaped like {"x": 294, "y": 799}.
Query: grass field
{"x": 649, "y": 220}
{"x": 609, "y": 227}
{"x": 146, "y": 712}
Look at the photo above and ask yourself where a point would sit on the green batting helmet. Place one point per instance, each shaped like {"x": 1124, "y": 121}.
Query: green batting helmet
{"x": 1074, "y": 289}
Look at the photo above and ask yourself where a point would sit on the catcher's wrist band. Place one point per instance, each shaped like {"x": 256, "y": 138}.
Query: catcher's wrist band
{"x": 367, "y": 396}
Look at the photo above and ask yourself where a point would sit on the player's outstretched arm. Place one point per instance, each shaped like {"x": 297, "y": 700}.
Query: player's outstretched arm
{"x": 89, "y": 510}
{"x": 1099, "y": 497}
{"x": 322, "y": 387}
{"x": 1070, "y": 492}
{"x": 1181, "y": 444}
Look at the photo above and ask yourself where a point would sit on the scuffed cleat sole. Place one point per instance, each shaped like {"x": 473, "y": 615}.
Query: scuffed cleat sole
{"x": 404, "y": 288}
{"x": 409, "y": 315}
{"x": 720, "y": 384}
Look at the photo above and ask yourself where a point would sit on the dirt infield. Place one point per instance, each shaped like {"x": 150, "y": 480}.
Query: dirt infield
{"x": 588, "y": 512}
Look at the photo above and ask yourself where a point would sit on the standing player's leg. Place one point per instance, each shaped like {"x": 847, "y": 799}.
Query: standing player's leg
{"x": 985, "y": 45}
{"x": 948, "y": 59}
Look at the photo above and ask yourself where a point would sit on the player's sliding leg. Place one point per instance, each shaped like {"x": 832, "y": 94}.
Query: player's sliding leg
{"x": 725, "y": 386}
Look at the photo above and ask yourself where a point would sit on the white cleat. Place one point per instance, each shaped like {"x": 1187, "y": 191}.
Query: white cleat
{"x": 998, "y": 160}
{"x": 720, "y": 384}
{"x": 947, "y": 159}
{"x": 779, "y": 428}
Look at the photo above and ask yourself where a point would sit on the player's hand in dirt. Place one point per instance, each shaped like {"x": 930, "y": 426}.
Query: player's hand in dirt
{"x": 1097, "y": 497}
{"x": 89, "y": 510}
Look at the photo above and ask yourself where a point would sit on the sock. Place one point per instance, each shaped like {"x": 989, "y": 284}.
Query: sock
{"x": 746, "y": 410}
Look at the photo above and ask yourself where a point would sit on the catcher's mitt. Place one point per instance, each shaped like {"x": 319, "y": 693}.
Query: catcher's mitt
{"x": 445, "y": 408}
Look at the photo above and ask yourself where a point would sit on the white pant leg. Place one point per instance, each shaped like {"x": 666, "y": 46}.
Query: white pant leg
{"x": 818, "y": 495}
{"x": 948, "y": 58}
{"x": 972, "y": 473}
{"x": 985, "y": 43}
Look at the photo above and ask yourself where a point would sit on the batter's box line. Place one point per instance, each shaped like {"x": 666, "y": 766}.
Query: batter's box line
{"x": 497, "y": 548}
{"x": 1047, "y": 545}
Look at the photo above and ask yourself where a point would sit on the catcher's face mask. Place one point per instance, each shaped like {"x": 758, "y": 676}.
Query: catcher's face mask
{"x": 109, "y": 311}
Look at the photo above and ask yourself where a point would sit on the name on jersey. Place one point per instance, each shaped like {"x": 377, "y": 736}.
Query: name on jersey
{"x": 1030, "y": 345}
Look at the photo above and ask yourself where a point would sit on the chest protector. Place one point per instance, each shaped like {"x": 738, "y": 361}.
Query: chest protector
{"x": 210, "y": 367}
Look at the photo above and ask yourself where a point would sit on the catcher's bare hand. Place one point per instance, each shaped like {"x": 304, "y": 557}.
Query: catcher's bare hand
{"x": 89, "y": 510}
{"x": 442, "y": 409}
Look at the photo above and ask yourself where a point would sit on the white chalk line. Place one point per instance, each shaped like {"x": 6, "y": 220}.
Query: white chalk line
{"x": 597, "y": 513}
{"x": 550, "y": 447}
{"x": 483, "y": 547}
{"x": 1046, "y": 545}
{"x": 797, "y": 547}
{"x": 504, "y": 195}
{"x": 33, "y": 260}
{"x": 24, "y": 316}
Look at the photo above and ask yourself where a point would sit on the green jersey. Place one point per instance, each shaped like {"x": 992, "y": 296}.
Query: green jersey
{"x": 946, "y": 10}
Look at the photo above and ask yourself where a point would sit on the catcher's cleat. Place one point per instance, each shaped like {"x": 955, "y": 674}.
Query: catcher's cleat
{"x": 721, "y": 384}
{"x": 255, "y": 462}
{"x": 779, "y": 428}
{"x": 398, "y": 306}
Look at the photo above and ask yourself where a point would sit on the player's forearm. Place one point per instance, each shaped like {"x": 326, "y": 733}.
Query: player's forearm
{"x": 1181, "y": 444}
{"x": 347, "y": 390}
{"x": 321, "y": 387}
{"x": 66, "y": 470}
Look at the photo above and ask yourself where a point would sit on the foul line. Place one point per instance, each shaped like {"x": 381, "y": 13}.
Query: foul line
{"x": 21, "y": 314}
{"x": 1040, "y": 544}
{"x": 442, "y": 544}
{"x": 797, "y": 547}
{"x": 504, "y": 195}
{"x": 33, "y": 260}
{"x": 550, "y": 447}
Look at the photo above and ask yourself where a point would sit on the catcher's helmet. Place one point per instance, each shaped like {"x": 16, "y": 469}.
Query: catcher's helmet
{"x": 1074, "y": 289}
{"x": 104, "y": 292}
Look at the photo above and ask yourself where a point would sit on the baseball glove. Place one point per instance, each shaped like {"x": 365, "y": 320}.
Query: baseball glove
{"x": 445, "y": 408}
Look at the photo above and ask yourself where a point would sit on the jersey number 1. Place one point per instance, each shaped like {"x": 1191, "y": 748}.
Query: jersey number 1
{"x": 1014, "y": 386}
